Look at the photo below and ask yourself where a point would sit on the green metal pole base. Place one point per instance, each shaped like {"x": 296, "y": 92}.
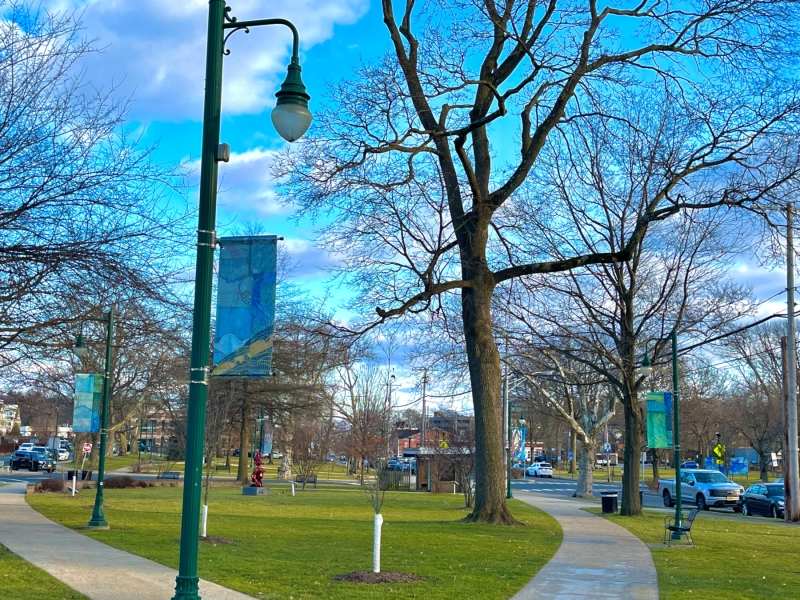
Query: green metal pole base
{"x": 99, "y": 527}
{"x": 186, "y": 588}
{"x": 509, "y": 495}
{"x": 679, "y": 537}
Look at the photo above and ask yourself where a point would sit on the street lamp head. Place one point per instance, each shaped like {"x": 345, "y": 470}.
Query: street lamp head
{"x": 646, "y": 367}
{"x": 79, "y": 349}
{"x": 521, "y": 419}
{"x": 291, "y": 116}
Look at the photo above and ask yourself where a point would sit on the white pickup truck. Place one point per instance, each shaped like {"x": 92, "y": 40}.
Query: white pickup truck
{"x": 703, "y": 487}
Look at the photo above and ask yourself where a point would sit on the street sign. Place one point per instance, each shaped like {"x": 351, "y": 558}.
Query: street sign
{"x": 87, "y": 447}
{"x": 443, "y": 444}
{"x": 607, "y": 448}
{"x": 719, "y": 450}
{"x": 570, "y": 455}
{"x": 719, "y": 461}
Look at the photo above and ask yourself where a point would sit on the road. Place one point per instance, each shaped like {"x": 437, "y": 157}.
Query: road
{"x": 565, "y": 487}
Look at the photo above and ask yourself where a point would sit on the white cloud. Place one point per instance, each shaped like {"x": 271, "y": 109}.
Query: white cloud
{"x": 158, "y": 49}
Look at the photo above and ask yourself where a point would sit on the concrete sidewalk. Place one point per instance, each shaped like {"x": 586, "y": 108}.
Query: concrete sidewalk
{"x": 86, "y": 565}
{"x": 597, "y": 559}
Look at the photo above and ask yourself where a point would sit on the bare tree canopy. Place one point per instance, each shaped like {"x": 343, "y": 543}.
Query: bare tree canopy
{"x": 422, "y": 203}
{"x": 83, "y": 204}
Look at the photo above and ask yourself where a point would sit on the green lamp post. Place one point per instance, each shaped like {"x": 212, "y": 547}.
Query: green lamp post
{"x": 98, "y": 520}
{"x": 291, "y": 118}
{"x": 645, "y": 369}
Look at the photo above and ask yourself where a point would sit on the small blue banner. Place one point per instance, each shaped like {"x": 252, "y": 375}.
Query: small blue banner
{"x": 88, "y": 396}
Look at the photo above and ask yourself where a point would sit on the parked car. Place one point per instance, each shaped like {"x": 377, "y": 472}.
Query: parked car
{"x": 703, "y": 487}
{"x": 33, "y": 461}
{"x": 778, "y": 480}
{"x": 393, "y": 465}
{"x": 63, "y": 454}
{"x": 540, "y": 469}
{"x": 26, "y": 447}
{"x": 690, "y": 464}
{"x": 763, "y": 499}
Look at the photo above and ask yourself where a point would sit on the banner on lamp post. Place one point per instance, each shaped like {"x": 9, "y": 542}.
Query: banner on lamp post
{"x": 659, "y": 420}
{"x": 245, "y": 307}
{"x": 518, "y": 444}
{"x": 266, "y": 441}
{"x": 88, "y": 397}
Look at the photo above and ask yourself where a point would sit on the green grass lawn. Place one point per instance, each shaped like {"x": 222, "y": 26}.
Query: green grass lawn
{"x": 733, "y": 560}
{"x": 20, "y": 580}
{"x": 288, "y": 546}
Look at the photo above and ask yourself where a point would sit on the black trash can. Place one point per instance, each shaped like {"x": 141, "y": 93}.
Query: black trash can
{"x": 70, "y": 474}
{"x": 86, "y": 475}
{"x": 609, "y": 501}
{"x": 641, "y": 499}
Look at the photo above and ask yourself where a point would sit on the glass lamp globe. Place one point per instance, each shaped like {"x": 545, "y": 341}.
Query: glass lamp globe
{"x": 291, "y": 120}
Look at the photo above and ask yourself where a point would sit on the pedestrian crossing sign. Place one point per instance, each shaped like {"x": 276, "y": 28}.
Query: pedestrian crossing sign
{"x": 719, "y": 450}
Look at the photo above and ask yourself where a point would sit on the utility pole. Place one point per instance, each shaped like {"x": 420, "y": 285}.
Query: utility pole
{"x": 791, "y": 485}
{"x": 424, "y": 406}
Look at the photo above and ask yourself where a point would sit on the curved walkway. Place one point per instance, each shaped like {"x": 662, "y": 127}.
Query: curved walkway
{"x": 86, "y": 565}
{"x": 597, "y": 559}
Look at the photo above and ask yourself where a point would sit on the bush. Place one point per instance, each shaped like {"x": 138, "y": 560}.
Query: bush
{"x": 50, "y": 485}
{"x": 516, "y": 473}
{"x": 142, "y": 484}
{"x": 119, "y": 483}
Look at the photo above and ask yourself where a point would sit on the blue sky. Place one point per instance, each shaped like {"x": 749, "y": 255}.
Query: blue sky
{"x": 155, "y": 52}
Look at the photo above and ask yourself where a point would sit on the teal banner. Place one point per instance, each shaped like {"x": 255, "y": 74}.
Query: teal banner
{"x": 245, "y": 307}
{"x": 659, "y": 419}
{"x": 88, "y": 396}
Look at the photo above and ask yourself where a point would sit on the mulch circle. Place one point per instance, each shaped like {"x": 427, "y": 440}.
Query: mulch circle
{"x": 382, "y": 577}
{"x": 217, "y": 541}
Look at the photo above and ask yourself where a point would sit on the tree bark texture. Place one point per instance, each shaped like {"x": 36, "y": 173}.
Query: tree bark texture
{"x": 485, "y": 377}
{"x": 586, "y": 469}
{"x": 633, "y": 442}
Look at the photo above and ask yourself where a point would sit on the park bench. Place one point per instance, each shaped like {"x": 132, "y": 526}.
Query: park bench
{"x": 170, "y": 475}
{"x": 670, "y": 527}
{"x": 309, "y": 479}
{"x": 218, "y": 468}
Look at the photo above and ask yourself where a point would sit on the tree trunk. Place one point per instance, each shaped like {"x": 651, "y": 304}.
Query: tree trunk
{"x": 123, "y": 443}
{"x": 485, "y": 377}
{"x": 656, "y": 465}
{"x": 244, "y": 442}
{"x": 573, "y": 446}
{"x": 586, "y": 469}
{"x": 633, "y": 442}
{"x": 763, "y": 467}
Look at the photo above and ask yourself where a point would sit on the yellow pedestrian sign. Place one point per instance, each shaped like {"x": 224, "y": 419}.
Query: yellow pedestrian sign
{"x": 443, "y": 444}
{"x": 719, "y": 450}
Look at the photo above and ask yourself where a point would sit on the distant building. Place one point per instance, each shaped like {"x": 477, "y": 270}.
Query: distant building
{"x": 453, "y": 423}
{"x": 9, "y": 418}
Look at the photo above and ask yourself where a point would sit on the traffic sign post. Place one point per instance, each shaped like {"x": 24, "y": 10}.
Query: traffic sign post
{"x": 87, "y": 448}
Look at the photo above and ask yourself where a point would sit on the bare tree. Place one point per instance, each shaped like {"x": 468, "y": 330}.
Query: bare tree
{"x": 586, "y": 404}
{"x": 219, "y": 412}
{"x": 83, "y": 205}
{"x": 755, "y": 408}
{"x": 425, "y": 204}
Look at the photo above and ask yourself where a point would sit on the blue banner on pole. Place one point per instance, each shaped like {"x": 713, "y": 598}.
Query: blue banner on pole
{"x": 518, "y": 444}
{"x": 266, "y": 441}
{"x": 88, "y": 396}
{"x": 245, "y": 307}
{"x": 659, "y": 420}
{"x": 739, "y": 466}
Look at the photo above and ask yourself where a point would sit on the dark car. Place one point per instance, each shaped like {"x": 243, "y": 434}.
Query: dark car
{"x": 690, "y": 464}
{"x": 763, "y": 499}
{"x": 33, "y": 461}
